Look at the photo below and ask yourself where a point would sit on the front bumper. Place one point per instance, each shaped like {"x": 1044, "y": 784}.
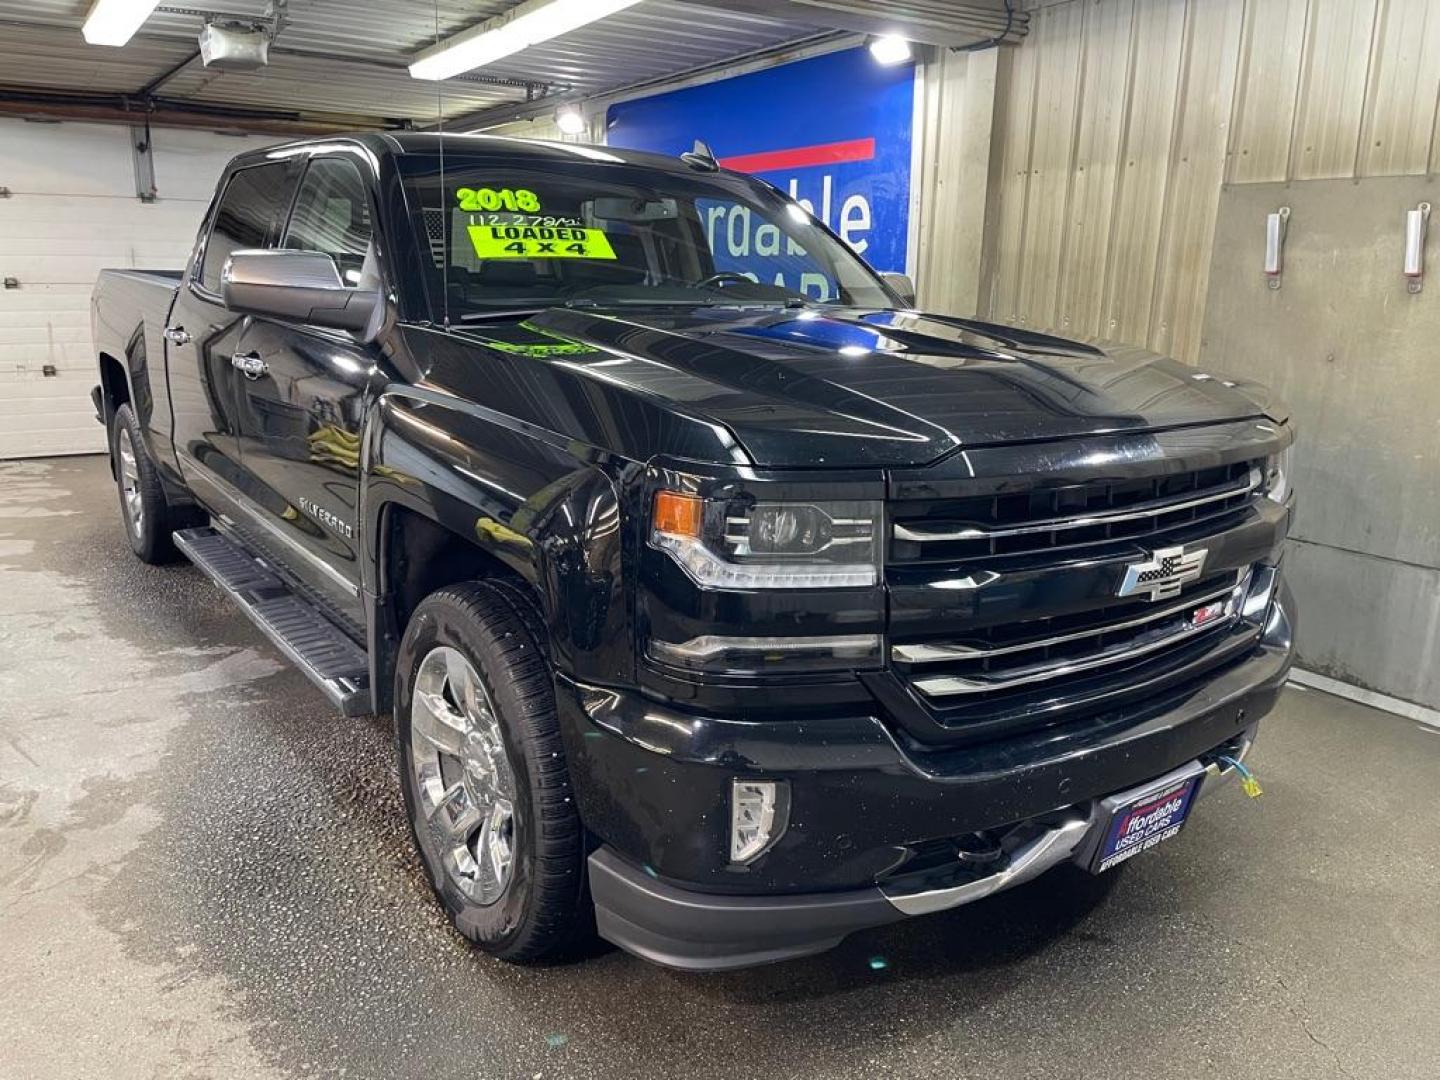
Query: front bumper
{"x": 696, "y": 931}
{"x": 653, "y": 784}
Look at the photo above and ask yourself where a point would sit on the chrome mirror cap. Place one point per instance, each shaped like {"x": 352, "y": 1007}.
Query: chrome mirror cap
{"x": 297, "y": 286}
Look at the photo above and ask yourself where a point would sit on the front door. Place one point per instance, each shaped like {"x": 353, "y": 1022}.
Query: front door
{"x": 201, "y": 335}
{"x": 302, "y": 398}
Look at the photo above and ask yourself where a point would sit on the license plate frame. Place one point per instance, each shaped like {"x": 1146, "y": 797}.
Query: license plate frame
{"x": 1141, "y": 818}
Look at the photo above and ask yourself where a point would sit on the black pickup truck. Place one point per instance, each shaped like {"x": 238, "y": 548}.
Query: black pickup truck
{"x": 724, "y": 602}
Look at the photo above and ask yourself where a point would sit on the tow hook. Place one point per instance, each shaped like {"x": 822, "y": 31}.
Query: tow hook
{"x": 978, "y": 851}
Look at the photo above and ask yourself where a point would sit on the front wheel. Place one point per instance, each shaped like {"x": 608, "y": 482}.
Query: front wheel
{"x": 483, "y": 772}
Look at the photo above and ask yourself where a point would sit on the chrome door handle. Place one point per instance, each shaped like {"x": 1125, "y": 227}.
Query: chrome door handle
{"x": 176, "y": 335}
{"x": 250, "y": 364}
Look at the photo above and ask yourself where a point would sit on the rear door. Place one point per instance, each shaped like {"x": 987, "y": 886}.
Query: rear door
{"x": 201, "y": 335}
{"x": 301, "y": 408}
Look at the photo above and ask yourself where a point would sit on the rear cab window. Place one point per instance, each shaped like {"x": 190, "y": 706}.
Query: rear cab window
{"x": 248, "y": 216}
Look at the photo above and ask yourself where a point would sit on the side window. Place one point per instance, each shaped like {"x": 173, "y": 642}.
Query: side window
{"x": 332, "y": 214}
{"x": 743, "y": 243}
{"x": 246, "y": 217}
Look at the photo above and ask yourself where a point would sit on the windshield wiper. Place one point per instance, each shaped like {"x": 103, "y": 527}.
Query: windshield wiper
{"x": 705, "y": 301}
{"x": 526, "y": 312}
{"x": 503, "y": 313}
{"x": 664, "y": 301}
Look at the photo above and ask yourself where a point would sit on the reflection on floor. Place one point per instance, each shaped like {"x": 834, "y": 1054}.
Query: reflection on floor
{"x": 204, "y": 872}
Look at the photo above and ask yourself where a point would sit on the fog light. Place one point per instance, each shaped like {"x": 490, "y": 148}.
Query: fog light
{"x": 757, "y": 817}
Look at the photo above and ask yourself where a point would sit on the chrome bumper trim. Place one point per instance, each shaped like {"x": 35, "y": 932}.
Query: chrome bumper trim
{"x": 1045, "y": 851}
{"x": 1053, "y": 847}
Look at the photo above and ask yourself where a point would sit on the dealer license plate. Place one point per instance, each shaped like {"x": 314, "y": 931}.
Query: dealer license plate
{"x": 1144, "y": 817}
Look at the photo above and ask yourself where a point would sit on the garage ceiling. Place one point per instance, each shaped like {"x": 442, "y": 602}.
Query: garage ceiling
{"x": 342, "y": 63}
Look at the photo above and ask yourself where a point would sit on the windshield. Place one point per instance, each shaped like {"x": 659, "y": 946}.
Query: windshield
{"x": 504, "y": 239}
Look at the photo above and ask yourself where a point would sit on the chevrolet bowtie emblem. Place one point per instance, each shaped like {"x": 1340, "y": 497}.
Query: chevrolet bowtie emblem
{"x": 1164, "y": 575}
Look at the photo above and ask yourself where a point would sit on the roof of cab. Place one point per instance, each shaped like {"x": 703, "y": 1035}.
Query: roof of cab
{"x": 481, "y": 146}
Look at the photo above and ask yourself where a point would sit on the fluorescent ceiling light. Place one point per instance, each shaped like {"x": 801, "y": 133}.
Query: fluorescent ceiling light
{"x": 114, "y": 22}
{"x": 570, "y": 120}
{"x": 524, "y": 26}
{"x": 890, "y": 49}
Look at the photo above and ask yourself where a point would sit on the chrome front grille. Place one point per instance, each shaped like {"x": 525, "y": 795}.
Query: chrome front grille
{"x": 1003, "y": 663}
{"x": 1070, "y": 516}
{"x": 1061, "y": 585}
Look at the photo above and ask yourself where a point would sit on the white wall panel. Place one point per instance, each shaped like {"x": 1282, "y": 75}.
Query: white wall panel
{"x": 72, "y": 210}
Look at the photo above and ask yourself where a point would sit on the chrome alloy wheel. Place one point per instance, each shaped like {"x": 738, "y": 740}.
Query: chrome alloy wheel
{"x": 463, "y": 777}
{"x": 130, "y": 482}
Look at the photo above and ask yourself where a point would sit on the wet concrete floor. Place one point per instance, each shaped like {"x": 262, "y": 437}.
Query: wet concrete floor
{"x": 205, "y": 873}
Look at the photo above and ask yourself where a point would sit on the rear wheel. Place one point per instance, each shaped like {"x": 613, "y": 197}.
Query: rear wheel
{"x": 483, "y": 772}
{"x": 148, "y": 518}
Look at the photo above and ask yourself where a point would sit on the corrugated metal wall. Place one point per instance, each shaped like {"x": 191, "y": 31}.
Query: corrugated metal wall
{"x": 1118, "y": 120}
{"x": 545, "y": 128}
{"x": 955, "y": 130}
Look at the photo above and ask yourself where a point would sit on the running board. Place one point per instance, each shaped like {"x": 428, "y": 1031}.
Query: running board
{"x": 314, "y": 644}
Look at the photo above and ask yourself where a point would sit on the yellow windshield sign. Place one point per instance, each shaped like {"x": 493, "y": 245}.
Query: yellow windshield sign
{"x": 522, "y": 199}
{"x": 538, "y": 242}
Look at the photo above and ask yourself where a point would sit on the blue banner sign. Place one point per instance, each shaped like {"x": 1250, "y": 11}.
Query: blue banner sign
{"x": 834, "y": 131}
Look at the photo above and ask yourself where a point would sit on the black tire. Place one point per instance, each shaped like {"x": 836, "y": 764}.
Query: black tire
{"x": 544, "y": 908}
{"x": 150, "y": 534}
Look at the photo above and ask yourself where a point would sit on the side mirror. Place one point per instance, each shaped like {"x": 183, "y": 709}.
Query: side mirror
{"x": 901, "y": 284}
{"x": 298, "y": 286}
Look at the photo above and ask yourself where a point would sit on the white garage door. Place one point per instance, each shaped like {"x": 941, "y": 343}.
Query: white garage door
{"x": 72, "y": 210}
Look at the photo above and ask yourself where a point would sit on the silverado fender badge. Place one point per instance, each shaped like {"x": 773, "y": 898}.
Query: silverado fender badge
{"x": 332, "y": 521}
{"x": 1166, "y": 572}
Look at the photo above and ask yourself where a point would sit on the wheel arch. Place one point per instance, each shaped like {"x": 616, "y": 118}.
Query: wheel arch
{"x": 414, "y": 555}
{"x": 114, "y": 385}
{"x": 124, "y": 379}
{"x": 114, "y": 392}
{"x": 568, "y": 559}
{"x": 418, "y": 555}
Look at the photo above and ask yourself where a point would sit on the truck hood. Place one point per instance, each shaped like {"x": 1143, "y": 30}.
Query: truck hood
{"x": 848, "y": 387}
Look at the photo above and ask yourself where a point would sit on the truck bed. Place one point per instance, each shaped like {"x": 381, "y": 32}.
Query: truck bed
{"x": 125, "y": 301}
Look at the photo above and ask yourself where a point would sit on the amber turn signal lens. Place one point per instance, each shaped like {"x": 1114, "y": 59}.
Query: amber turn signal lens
{"x": 677, "y": 514}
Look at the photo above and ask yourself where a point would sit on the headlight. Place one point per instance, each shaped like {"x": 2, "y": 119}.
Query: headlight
{"x": 769, "y": 545}
{"x": 1277, "y": 475}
